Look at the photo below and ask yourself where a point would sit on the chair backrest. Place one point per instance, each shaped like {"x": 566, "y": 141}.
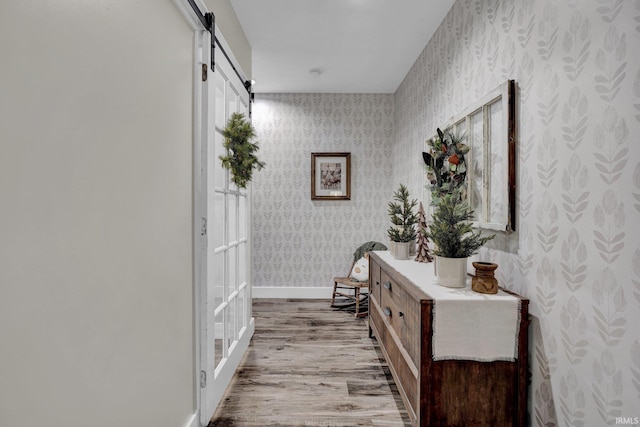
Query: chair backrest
{"x": 366, "y": 247}
{"x": 361, "y": 251}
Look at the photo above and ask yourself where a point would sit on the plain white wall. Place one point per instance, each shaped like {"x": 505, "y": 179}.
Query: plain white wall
{"x": 96, "y": 318}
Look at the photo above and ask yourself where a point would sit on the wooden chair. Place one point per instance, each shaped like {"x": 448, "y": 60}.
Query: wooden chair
{"x": 349, "y": 289}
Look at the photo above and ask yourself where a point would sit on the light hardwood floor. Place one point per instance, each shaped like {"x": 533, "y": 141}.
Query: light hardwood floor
{"x": 309, "y": 365}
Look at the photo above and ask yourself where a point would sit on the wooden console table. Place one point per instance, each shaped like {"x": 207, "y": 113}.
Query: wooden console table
{"x": 442, "y": 391}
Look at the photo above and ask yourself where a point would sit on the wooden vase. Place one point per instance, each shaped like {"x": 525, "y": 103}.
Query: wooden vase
{"x": 484, "y": 281}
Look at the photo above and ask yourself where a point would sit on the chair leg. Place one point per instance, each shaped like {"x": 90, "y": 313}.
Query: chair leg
{"x": 333, "y": 296}
{"x": 363, "y": 313}
{"x": 357, "y": 295}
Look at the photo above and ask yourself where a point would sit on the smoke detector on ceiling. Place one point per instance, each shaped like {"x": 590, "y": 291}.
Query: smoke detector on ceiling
{"x": 315, "y": 72}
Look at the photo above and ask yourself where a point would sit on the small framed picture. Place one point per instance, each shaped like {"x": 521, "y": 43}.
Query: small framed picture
{"x": 330, "y": 176}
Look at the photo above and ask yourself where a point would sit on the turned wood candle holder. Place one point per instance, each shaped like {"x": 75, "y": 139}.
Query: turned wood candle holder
{"x": 484, "y": 281}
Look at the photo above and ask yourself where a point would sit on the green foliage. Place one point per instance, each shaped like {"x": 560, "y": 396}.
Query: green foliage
{"x": 402, "y": 216}
{"x": 240, "y": 158}
{"x": 451, "y": 230}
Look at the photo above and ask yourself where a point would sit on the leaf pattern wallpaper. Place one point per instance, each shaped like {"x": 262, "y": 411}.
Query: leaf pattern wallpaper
{"x": 299, "y": 242}
{"x": 575, "y": 253}
{"x": 576, "y": 249}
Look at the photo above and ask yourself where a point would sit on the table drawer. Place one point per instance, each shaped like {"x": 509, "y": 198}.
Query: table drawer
{"x": 374, "y": 280}
{"x": 404, "y": 371}
{"x": 403, "y": 314}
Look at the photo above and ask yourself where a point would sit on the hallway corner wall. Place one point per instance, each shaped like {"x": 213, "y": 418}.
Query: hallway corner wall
{"x": 232, "y": 32}
{"x": 299, "y": 242}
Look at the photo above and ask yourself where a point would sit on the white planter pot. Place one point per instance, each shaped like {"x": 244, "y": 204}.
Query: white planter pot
{"x": 392, "y": 248}
{"x": 402, "y": 250}
{"x": 451, "y": 272}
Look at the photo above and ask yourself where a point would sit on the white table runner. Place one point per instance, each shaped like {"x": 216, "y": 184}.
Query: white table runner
{"x": 466, "y": 325}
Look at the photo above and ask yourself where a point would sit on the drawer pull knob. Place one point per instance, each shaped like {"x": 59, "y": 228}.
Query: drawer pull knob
{"x": 400, "y": 314}
{"x": 387, "y": 285}
{"x": 387, "y": 311}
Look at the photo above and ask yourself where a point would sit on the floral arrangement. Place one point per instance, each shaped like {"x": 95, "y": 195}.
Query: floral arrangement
{"x": 446, "y": 165}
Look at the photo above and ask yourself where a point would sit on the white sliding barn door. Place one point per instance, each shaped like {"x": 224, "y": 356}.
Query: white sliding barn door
{"x": 227, "y": 318}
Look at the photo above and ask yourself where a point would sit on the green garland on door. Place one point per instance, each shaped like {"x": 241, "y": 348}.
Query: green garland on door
{"x": 240, "y": 158}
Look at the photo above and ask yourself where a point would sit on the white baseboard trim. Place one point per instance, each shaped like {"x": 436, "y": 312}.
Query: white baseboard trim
{"x": 291, "y": 292}
{"x": 192, "y": 421}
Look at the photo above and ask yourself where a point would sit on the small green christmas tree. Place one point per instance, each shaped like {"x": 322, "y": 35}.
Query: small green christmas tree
{"x": 451, "y": 230}
{"x": 240, "y": 158}
{"x": 402, "y": 216}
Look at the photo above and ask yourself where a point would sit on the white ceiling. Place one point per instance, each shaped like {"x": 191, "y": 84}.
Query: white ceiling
{"x": 360, "y": 46}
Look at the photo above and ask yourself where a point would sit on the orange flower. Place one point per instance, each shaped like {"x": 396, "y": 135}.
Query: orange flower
{"x": 454, "y": 159}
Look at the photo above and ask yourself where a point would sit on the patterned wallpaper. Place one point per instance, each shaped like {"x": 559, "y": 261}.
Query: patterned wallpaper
{"x": 298, "y": 242}
{"x": 576, "y": 252}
